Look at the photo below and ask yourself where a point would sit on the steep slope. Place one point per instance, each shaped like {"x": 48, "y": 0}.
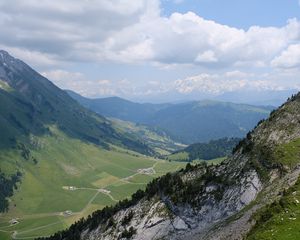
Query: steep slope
{"x": 280, "y": 219}
{"x": 189, "y": 122}
{"x": 30, "y": 102}
{"x": 209, "y": 202}
{"x": 155, "y": 137}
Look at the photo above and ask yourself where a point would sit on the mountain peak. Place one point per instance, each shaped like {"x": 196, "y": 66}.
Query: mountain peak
{"x": 3, "y": 52}
{"x": 5, "y": 57}
{"x": 9, "y": 65}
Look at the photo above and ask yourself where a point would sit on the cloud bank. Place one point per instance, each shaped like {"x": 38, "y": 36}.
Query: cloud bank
{"x": 134, "y": 31}
{"x": 51, "y": 34}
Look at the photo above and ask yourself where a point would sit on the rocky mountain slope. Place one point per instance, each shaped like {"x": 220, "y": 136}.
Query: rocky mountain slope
{"x": 190, "y": 122}
{"x": 209, "y": 202}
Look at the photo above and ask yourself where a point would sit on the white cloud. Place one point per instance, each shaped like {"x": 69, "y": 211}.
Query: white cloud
{"x": 51, "y": 34}
{"x": 60, "y": 76}
{"x": 206, "y": 57}
{"x": 204, "y": 84}
{"x": 79, "y": 83}
{"x": 133, "y": 32}
{"x": 34, "y": 58}
{"x": 73, "y": 30}
{"x": 217, "y": 84}
{"x": 289, "y": 58}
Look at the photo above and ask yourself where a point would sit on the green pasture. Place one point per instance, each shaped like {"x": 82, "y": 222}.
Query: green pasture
{"x": 42, "y": 197}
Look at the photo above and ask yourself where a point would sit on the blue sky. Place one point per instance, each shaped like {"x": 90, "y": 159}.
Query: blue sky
{"x": 238, "y": 13}
{"x": 159, "y": 50}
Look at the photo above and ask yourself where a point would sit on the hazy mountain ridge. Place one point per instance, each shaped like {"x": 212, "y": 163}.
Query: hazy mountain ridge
{"x": 209, "y": 202}
{"x": 188, "y": 122}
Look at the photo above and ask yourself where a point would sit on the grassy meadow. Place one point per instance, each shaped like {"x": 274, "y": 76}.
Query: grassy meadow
{"x": 44, "y": 202}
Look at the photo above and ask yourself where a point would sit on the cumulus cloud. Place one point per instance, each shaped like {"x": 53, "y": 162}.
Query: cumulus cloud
{"x": 289, "y": 58}
{"x": 206, "y": 57}
{"x": 79, "y": 83}
{"x": 134, "y": 31}
{"x": 73, "y": 30}
{"x": 51, "y": 34}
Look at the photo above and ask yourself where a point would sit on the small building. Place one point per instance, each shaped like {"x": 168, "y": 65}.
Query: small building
{"x": 68, "y": 212}
{"x": 13, "y": 221}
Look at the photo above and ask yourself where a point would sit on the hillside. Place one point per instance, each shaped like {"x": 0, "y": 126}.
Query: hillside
{"x": 189, "y": 122}
{"x": 120, "y": 108}
{"x": 60, "y": 162}
{"x": 29, "y": 102}
{"x": 224, "y": 201}
{"x": 206, "y": 151}
{"x": 155, "y": 138}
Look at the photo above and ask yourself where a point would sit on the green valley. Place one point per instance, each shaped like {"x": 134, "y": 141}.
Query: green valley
{"x": 59, "y": 162}
{"x": 70, "y": 180}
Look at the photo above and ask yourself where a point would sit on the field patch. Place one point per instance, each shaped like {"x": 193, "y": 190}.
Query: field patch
{"x": 105, "y": 179}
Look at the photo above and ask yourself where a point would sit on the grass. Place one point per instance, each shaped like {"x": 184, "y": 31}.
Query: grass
{"x": 280, "y": 220}
{"x": 141, "y": 178}
{"x": 102, "y": 200}
{"x": 64, "y": 161}
{"x": 124, "y": 190}
{"x": 5, "y": 236}
{"x": 288, "y": 154}
{"x": 157, "y": 139}
{"x": 180, "y": 156}
{"x": 167, "y": 166}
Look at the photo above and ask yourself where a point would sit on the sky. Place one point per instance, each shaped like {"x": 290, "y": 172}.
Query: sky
{"x": 159, "y": 50}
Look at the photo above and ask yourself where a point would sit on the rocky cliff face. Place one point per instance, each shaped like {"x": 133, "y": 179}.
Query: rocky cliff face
{"x": 162, "y": 218}
{"x": 210, "y": 202}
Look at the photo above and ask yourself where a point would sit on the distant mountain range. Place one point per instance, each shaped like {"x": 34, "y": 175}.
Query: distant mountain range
{"x": 265, "y": 98}
{"x": 190, "y": 122}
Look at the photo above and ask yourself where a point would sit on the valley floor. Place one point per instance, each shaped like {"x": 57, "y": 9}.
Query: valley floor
{"x": 70, "y": 181}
